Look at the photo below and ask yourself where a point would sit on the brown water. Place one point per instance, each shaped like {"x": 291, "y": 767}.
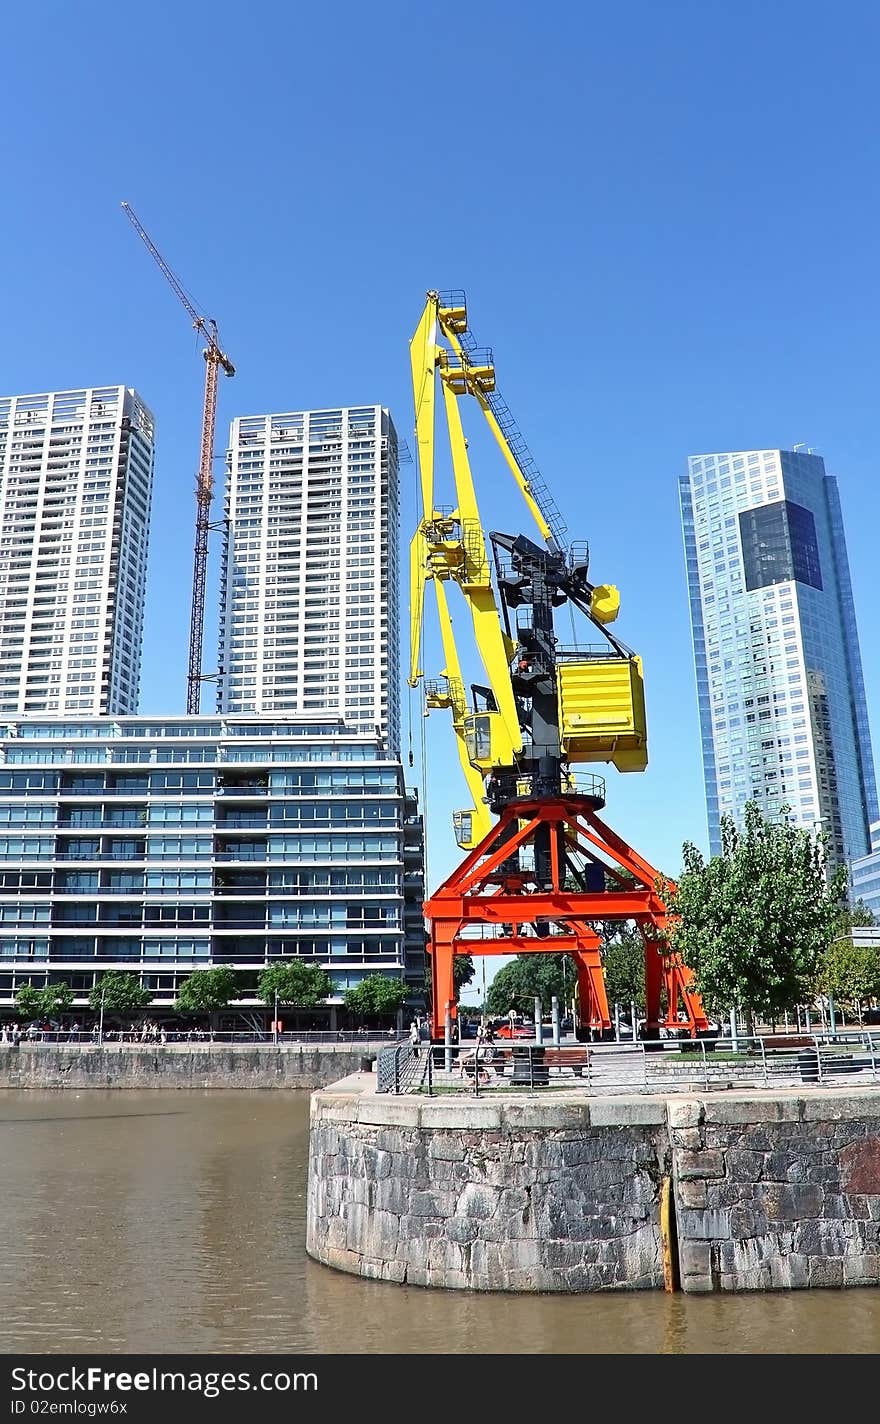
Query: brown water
{"x": 175, "y": 1222}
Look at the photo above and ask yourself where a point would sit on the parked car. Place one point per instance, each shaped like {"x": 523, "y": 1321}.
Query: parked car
{"x": 507, "y": 1030}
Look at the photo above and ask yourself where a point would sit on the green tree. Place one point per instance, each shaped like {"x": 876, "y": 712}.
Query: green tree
{"x": 853, "y": 917}
{"x": 850, "y": 972}
{"x": 205, "y": 991}
{"x": 377, "y": 995}
{"x": 462, "y": 972}
{"x": 754, "y": 921}
{"x": 120, "y": 993}
{"x": 529, "y": 976}
{"x": 45, "y": 1003}
{"x": 303, "y": 985}
{"x": 624, "y": 960}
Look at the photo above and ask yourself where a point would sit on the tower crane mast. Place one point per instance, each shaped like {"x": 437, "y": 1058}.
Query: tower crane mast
{"x": 215, "y": 361}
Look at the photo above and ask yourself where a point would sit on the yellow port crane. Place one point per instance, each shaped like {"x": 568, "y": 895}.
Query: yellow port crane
{"x": 215, "y": 361}
{"x": 543, "y": 709}
{"x": 540, "y": 877}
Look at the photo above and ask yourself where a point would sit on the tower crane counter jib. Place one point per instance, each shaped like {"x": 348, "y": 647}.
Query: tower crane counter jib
{"x": 537, "y": 878}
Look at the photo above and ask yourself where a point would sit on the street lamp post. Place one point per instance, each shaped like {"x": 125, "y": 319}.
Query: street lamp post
{"x": 101, "y": 1020}
{"x": 275, "y": 1020}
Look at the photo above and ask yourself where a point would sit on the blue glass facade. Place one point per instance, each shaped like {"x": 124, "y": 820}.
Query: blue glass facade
{"x": 866, "y": 875}
{"x": 783, "y": 716}
{"x": 167, "y": 845}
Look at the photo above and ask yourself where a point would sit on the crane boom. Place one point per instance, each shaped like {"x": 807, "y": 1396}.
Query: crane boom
{"x": 215, "y": 359}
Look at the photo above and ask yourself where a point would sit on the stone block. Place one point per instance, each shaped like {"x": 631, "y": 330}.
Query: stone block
{"x": 695, "y": 1258}
{"x": 790, "y": 1201}
{"x": 545, "y": 1114}
{"x": 691, "y": 1194}
{"x": 461, "y": 1229}
{"x": 477, "y": 1200}
{"x": 431, "y": 1204}
{"x": 687, "y": 1113}
{"x": 830, "y": 1106}
{"x": 393, "y": 1195}
{"x": 460, "y": 1116}
{"x": 627, "y": 1112}
{"x": 445, "y": 1148}
{"x": 702, "y": 1285}
{"x": 825, "y": 1272}
{"x": 689, "y": 1137}
{"x": 862, "y": 1270}
{"x": 745, "y": 1222}
{"x": 734, "y": 1110}
{"x": 699, "y": 1164}
{"x": 332, "y": 1108}
{"x": 704, "y": 1225}
{"x": 744, "y": 1166}
{"x": 383, "y": 1110}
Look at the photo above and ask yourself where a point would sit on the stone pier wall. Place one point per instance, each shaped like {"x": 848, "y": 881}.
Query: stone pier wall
{"x": 777, "y": 1192}
{"x": 177, "y": 1065}
{"x": 562, "y": 1193}
{"x": 519, "y": 1196}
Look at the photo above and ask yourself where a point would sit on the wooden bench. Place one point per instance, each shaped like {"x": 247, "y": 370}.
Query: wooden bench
{"x": 577, "y": 1059}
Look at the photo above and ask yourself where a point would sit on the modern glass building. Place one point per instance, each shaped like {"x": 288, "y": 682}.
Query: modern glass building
{"x": 865, "y": 874}
{"x": 783, "y": 716}
{"x": 309, "y": 598}
{"x": 165, "y": 845}
{"x": 76, "y": 472}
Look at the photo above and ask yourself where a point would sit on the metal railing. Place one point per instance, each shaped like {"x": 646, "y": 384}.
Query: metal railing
{"x": 401, "y": 1069}
{"x": 202, "y": 1037}
{"x": 647, "y": 1066}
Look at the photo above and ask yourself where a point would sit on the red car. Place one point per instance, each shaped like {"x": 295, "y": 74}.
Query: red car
{"x": 514, "y": 1031}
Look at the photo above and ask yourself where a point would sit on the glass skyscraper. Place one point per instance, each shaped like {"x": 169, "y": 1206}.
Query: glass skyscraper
{"x": 783, "y": 716}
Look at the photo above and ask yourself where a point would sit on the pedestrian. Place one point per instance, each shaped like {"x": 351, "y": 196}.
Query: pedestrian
{"x": 163, "y": 1037}
{"x": 414, "y": 1036}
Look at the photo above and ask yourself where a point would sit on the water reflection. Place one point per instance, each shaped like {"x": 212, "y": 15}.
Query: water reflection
{"x": 170, "y": 1222}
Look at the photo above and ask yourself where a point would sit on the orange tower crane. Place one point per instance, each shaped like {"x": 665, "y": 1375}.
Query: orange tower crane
{"x": 215, "y": 359}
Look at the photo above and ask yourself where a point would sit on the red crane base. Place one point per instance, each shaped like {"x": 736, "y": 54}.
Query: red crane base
{"x": 496, "y": 902}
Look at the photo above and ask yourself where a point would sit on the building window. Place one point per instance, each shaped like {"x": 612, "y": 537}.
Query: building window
{"x": 779, "y": 544}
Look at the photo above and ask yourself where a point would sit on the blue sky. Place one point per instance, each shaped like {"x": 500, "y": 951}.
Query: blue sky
{"x": 664, "y": 216}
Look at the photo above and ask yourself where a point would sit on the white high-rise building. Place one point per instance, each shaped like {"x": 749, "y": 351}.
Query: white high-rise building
{"x": 76, "y": 472}
{"x": 309, "y": 601}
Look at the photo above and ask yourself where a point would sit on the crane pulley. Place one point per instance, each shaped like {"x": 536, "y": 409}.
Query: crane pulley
{"x": 216, "y": 360}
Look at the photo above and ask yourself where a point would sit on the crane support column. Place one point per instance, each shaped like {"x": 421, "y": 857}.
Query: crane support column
{"x": 491, "y": 904}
